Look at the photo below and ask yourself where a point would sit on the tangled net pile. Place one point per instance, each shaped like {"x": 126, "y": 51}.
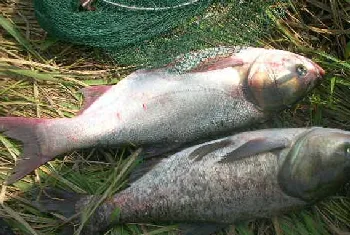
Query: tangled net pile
{"x": 157, "y": 30}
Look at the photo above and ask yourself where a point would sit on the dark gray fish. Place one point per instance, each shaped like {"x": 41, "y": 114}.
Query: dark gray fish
{"x": 249, "y": 175}
{"x": 201, "y": 94}
{"x": 5, "y": 228}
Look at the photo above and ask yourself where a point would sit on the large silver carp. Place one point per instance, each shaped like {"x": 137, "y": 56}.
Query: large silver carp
{"x": 249, "y": 175}
{"x": 201, "y": 94}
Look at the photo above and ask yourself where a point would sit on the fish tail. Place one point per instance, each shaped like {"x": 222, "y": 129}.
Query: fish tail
{"x": 38, "y": 143}
{"x": 70, "y": 204}
{"x": 58, "y": 201}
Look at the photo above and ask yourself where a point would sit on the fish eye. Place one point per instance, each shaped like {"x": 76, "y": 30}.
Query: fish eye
{"x": 347, "y": 151}
{"x": 301, "y": 70}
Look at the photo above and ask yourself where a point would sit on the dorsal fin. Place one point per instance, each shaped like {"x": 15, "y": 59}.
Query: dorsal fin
{"x": 143, "y": 168}
{"x": 253, "y": 147}
{"x": 218, "y": 63}
{"x": 91, "y": 94}
{"x": 206, "y": 60}
{"x": 205, "y": 149}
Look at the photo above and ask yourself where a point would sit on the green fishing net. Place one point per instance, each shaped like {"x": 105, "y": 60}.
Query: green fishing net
{"x": 153, "y": 32}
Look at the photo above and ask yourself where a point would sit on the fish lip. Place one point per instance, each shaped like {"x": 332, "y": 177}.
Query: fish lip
{"x": 319, "y": 69}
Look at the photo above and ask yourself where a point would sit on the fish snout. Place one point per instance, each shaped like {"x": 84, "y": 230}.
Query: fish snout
{"x": 319, "y": 70}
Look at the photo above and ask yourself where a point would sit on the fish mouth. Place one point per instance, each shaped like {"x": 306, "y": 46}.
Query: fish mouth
{"x": 320, "y": 71}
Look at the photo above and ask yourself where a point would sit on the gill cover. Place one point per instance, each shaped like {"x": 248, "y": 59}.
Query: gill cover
{"x": 317, "y": 165}
{"x": 277, "y": 79}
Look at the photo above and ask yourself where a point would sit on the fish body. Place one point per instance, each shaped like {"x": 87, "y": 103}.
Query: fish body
{"x": 201, "y": 94}
{"x": 246, "y": 176}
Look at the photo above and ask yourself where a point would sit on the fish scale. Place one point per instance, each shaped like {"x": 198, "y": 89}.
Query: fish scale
{"x": 249, "y": 175}
{"x": 190, "y": 61}
{"x": 202, "y": 94}
{"x": 233, "y": 188}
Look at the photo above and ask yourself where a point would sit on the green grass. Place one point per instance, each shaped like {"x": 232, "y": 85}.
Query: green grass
{"x": 41, "y": 77}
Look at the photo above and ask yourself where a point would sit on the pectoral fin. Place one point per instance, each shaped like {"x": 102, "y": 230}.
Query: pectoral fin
{"x": 218, "y": 63}
{"x": 253, "y": 147}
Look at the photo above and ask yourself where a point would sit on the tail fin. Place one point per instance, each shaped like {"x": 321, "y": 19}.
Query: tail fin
{"x": 5, "y": 228}
{"x": 58, "y": 201}
{"x": 71, "y": 205}
{"x": 30, "y": 133}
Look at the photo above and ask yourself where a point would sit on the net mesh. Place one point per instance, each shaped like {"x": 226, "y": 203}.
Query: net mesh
{"x": 153, "y": 32}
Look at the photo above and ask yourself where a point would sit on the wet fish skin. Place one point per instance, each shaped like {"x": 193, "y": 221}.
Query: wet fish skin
{"x": 201, "y": 94}
{"x": 302, "y": 166}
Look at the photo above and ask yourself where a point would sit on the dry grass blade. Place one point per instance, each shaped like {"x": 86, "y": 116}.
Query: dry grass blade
{"x": 113, "y": 183}
{"x": 19, "y": 218}
{"x": 322, "y": 25}
{"x": 54, "y": 174}
{"x": 11, "y": 29}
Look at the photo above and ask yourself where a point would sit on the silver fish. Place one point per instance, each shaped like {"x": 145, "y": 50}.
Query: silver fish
{"x": 201, "y": 94}
{"x": 249, "y": 175}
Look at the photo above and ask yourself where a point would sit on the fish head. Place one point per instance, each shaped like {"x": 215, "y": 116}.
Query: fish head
{"x": 317, "y": 165}
{"x": 277, "y": 79}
